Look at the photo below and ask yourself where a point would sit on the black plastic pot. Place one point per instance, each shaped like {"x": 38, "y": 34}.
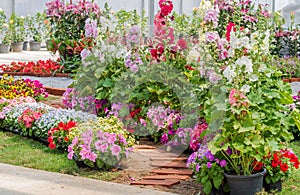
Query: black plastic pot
{"x": 245, "y": 184}
{"x": 277, "y": 186}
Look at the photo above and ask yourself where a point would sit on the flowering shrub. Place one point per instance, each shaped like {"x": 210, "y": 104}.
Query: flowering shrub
{"x": 236, "y": 59}
{"x": 11, "y": 88}
{"x": 58, "y": 137}
{"x": 280, "y": 164}
{"x": 208, "y": 168}
{"x": 70, "y": 41}
{"x": 102, "y": 144}
{"x": 40, "y": 67}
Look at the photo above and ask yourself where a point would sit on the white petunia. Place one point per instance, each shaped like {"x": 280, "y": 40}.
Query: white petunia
{"x": 247, "y": 62}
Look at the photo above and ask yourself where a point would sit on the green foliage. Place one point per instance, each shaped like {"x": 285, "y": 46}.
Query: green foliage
{"x": 17, "y": 28}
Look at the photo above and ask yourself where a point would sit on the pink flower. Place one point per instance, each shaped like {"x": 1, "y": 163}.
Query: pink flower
{"x": 115, "y": 150}
{"x": 104, "y": 147}
{"x": 111, "y": 138}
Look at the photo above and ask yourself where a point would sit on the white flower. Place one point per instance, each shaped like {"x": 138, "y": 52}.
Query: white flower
{"x": 193, "y": 55}
{"x": 229, "y": 74}
{"x": 244, "y": 42}
{"x": 253, "y": 78}
{"x": 247, "y": 62}
{"x": 22, "y": 17}
{"x": 245, "y": 89}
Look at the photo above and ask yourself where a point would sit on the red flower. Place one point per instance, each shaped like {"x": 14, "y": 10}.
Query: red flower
{"x": 70, "y": 124}
{"x": 50, "y": 139}
{"x": 182, "y": 44}
{"x": 52, "y": 145}
{"x": 153, "y": 53}
{"x": 284, "y": 167}
{"x": 258, "y": 166}
{"x": 229, "y": 28}
{"x": 275, "y": 163}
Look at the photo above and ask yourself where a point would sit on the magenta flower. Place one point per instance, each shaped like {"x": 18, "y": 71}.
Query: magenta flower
{"x": 223, "y": 163}
{"x": 208, "y": 164}
{"x": 115, "y": 150}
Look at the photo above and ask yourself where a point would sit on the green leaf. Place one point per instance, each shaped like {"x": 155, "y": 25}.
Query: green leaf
{"x": 207, "y": 187}
{"x": 217, "y": 181}
{"x": 107, "y": 83}
{"x": 204, "y": 179}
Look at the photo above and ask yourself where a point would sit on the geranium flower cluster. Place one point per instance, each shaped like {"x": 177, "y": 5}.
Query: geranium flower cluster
{"x": 39, "y": 67}
{"x": 58, "y": 137}
{"x": 207, "y": 165}
{"x": 29, "y": 116}
{"x": 280, "y": 164}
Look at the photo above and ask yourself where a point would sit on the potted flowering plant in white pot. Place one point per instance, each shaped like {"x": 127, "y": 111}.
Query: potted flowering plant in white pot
{"x": 248, "y": 101}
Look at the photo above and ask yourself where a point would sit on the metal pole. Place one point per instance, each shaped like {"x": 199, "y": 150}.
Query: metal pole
{"x": 273, "y": 6}
{"x": 181, "y": 7}
{"x": 13, "y": 6}
{"x": 143, "y": 5}
{"x": 151, "y": 17}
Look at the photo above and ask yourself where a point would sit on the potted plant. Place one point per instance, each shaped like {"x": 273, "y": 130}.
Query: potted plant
{"x": 247, "y": 107}
{"x": 17, "y": 31}
{"x": 5, "y": 38}
{"x": 280, "y": 165}
{"x": 209, "y": 170}
{"x": 37, "y": 27}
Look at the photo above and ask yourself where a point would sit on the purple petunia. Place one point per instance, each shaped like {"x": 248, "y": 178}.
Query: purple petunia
{"x": 208, "y": 164}
{"x": 223, "y": 163}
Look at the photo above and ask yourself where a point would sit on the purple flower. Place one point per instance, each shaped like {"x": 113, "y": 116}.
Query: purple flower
{"x": 85, "y": 53}
{"x": 229, "y": 151}
{"x": 209, "y": 156}
{"x": 208, "y": 164}
{"x": 70, "y": 155}
{"x": 91, "y": 29}
{"x": 197, "y": 167}
{"x": 191, "y": 159}
{"x": 223, "y": 163}
{"x": 164, "y": 138}
{"x": 115, "y": 150}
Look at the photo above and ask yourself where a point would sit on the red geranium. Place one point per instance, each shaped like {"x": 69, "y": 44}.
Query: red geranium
{"x": 59, "y": 136}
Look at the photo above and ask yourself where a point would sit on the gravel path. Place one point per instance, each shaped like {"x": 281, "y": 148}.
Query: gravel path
{"x": 57, "y": 82}
{"x": 295, "y": 87}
